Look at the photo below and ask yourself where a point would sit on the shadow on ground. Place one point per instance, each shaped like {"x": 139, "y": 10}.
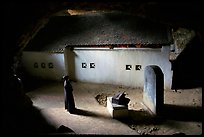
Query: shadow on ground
{"x": 89, "y": 113}
{"x": 85, "y": 113}
{"x": 182, "y": 113}
{"x": 26, "y": 121}
{"x": 170, "y": 112}
{"x": 146, "y": 124}
{"x": 30, "y": 121}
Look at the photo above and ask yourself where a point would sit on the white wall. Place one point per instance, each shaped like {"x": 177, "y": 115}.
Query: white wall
{"x": 110, "y": 65}
{"x": 53, "y": 71}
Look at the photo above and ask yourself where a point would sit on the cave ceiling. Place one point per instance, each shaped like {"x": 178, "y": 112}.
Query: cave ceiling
{"x": 18, "y": 17}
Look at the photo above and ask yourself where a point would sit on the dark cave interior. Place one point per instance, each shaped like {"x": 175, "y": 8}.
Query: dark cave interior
{"x": 18, "y": 17}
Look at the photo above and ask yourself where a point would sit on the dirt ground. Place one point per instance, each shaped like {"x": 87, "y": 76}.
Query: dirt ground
{"x": 181, "y": 115}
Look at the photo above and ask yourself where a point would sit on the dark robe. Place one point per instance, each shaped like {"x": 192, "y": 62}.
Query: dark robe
{"x": 69, "y": 98}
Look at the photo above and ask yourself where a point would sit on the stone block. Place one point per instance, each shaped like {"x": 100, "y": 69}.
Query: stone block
{"x": 115, "y": 110}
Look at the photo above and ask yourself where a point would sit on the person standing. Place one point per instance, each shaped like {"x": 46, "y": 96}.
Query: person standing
{"x": 69, "y": 98}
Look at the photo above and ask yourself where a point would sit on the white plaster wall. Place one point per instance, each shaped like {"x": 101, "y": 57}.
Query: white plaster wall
{"x": 55, "y": 73}
{"x": 110, "y": 65}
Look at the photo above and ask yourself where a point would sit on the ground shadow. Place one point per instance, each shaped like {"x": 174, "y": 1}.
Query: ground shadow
{"x": 88, "y": 113}
{"x": 84, "y": 112}
{"x": 182, "y": 113}
{"x": 170, "y": 112}
{"x": 139, "y": 117}
{"x": 26, "y": 121}
{"x": 64, "y": 129}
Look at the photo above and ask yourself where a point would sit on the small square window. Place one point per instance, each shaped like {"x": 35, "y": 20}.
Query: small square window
{"x": 128, "y": 67}
{"x": 35, "y": 65}
{"x": 43, "y": 65}
{"x": 138, "y": 67}
{"x": 92, "y": 65}
{"x": 83, "y": 65}
{"x": 50, "y": 65}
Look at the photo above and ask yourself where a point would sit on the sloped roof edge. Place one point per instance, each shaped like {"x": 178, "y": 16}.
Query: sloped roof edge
{"x": 99, "y": 29}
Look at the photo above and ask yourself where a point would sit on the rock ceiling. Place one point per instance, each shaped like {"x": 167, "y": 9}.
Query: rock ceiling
{"x": 19, "y": 17}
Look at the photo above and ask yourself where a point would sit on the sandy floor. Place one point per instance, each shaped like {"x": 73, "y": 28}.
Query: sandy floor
{"x": 183, "y": 110}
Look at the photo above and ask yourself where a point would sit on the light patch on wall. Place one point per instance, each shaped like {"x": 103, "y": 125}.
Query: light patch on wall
{"x": 110, "y": 69}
